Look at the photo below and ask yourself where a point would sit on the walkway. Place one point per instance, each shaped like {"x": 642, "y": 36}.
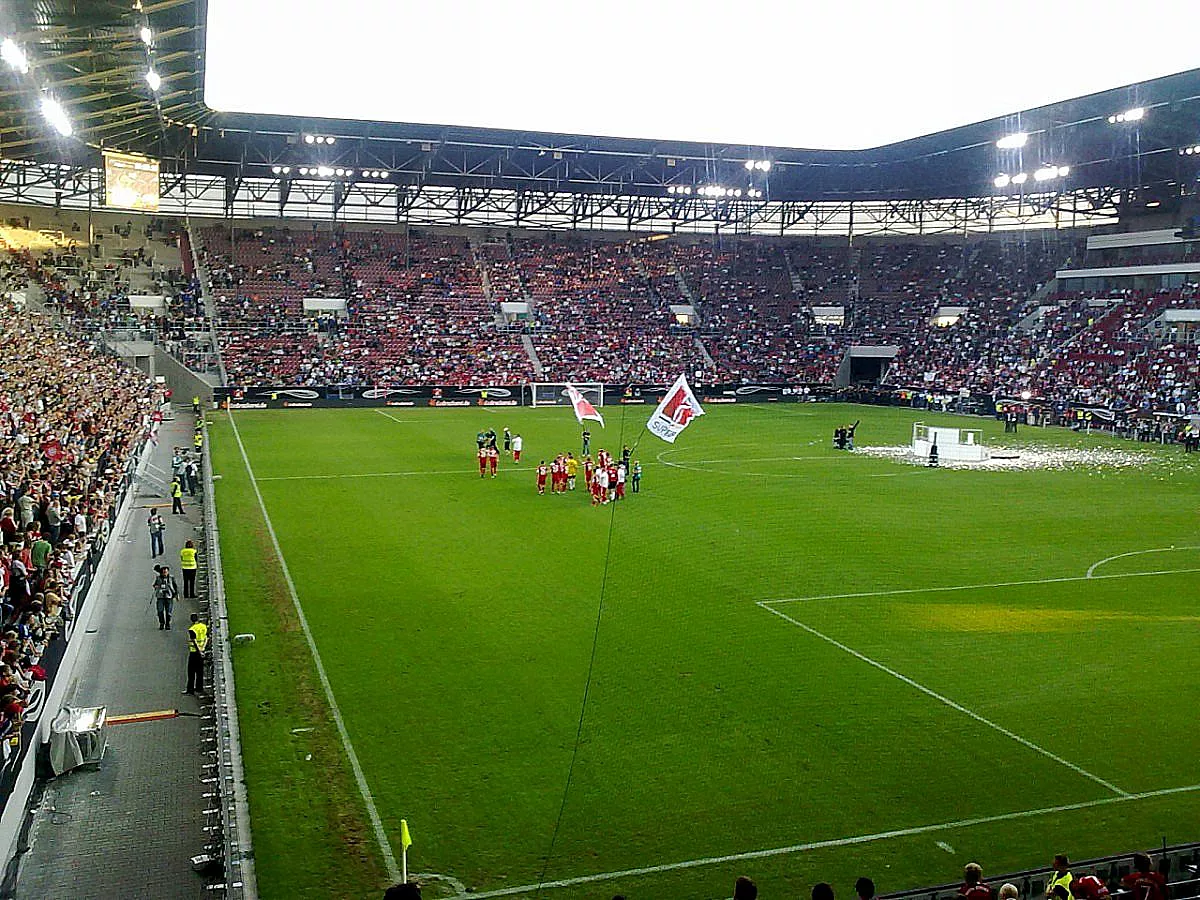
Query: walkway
{"x": 130, "y": 829}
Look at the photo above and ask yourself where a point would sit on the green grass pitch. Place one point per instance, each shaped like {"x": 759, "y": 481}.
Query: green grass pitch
{"x": 728, "y": 720}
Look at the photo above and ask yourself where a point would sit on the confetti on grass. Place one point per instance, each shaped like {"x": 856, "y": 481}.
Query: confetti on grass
{"x": 1024, "y": 458}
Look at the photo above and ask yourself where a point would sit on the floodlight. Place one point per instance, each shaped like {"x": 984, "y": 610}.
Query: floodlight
{"x": 1135, "y": 114}
{"x": 324, "y": 171}
{"x": 1001, "y": 181}
{"x": 384, "y": 174}
{"x": 276, "y": 170}
{"x": 14, "y": 56}
{"x": 287, "y": 169}
{"x": 738, "y": 192}
{"x": 146, "y": 35}
{"x": 749, "y": 165}
{"x": 329, "y": 140}
{"x": 56, "y": 116}
{"x": 303, "y": 170}
{"x": 153, "y": 79}
{"x": 1045, "y": 173}
{"x": 687, "y": 189}
{"x": 308, "y": 139}
{"x": 1020, "y": 178}
{"x": 1153, "y": 204}
{"x": 765, "y": 165}
{"x": 1064, "y": 171}
{"x": 670, "y": 189}
{"x": 1013, "y": 141}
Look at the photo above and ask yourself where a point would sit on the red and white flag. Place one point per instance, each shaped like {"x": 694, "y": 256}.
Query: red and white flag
{"x": 52, "y": 450}
{"x": 675, "y": 412}
{"x": 583, "y": 409}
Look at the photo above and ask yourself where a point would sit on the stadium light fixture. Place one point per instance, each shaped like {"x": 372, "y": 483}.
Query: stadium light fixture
{"x": 1013, "y": 141}
{"x": 1190, "y": 151}
{"x": 14, "y": 56}
{"x": 1130, "y": 115}
{"x": 153, "y": 79}
{"x": 146, "y": 35}
{"x": 1064, "y": 171}
{"x": 1020, "y": 178}
{"x": 323, "y": 171}
{"x": 1002, "y": 181}
{"x": 749, "y": 165}
{"x": 308, "y": 138}
{"x": 1045, "y": 173}
{"x": 56, "y": 116}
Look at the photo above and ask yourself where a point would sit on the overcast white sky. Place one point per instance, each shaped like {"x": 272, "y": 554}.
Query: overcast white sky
{"x": 836, "y": 75}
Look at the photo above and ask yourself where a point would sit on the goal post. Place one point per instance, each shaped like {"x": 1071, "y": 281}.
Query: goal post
{"x": 554, "y": 393}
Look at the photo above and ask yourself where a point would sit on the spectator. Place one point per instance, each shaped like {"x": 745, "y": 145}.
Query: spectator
{"x": 744, "y": 889}
{"x": 973, "y": 886}
{"x": 1143, "y": 882}
{"x": 1009, "y": 891}
{"x": 864, "y": 888}
{"x": 408, "y": 891}
{"x": 822, "y": 891}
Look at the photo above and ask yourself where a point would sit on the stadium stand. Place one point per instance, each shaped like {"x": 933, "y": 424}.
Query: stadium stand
{"x": 72, "y": 419}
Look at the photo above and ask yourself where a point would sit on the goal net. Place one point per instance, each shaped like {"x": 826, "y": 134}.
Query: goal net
{"x": 555, "y": 393}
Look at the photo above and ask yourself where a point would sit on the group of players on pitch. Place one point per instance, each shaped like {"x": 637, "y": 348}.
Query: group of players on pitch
{"x": 605, "y": 477}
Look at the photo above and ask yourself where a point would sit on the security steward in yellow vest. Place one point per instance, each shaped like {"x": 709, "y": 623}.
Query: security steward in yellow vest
{"x": 1060, "y": 877}
{"x": 187, "y": 563}
{"x": 176, "y": 497}
{"x": 197, "y": 643}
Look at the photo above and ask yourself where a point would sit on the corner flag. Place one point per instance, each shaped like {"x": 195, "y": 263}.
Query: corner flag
{"x": 405, "y": 837}
{"x": 583, "y": 409}
{"x": 675, "y": 412}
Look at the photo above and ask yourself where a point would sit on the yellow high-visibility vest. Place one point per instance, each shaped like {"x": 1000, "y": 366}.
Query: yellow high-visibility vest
{"x": 187, "y": 558}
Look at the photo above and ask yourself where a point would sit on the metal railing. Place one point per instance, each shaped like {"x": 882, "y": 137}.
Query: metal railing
{"x": 230, "y": 784}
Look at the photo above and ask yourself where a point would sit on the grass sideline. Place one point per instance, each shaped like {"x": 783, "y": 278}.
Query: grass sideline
{"x": 456, "y": 618}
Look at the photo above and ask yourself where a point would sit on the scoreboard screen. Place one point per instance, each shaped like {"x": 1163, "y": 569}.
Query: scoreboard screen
{"x": 130, "y": 182}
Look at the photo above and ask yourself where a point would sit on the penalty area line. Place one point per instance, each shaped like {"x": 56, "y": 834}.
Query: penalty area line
{"x": 385, "y": 847}
{"x": 942, "y": 698}
{"x": 976, "y": 587}
{"x": 834, "y": 842}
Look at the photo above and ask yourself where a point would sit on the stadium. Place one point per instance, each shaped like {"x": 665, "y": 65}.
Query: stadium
{"x": 638, "y": 451}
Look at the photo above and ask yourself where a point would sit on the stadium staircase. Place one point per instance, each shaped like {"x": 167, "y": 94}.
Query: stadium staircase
{"x": 210, "y": 309}
{"x": 709, "y": 365}
{"x": 527, "y": 343}
{"x": 686, "y": 289}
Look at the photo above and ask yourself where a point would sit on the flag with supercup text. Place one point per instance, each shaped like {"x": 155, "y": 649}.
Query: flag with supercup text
{"x": 676, "y": 411}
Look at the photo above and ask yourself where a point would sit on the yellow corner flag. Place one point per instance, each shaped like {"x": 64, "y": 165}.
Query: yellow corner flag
{"x": 405, "y": 837}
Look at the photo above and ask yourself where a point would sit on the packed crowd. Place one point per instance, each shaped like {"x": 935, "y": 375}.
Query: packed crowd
{"x": 71, "y": 418}
{"x": 434, "y": 308}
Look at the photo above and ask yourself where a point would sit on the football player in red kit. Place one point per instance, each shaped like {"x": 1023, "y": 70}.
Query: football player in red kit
{"x": 542, "y": 471}
{"x": 493, "y": 460}
{"x": 483, "y": 461}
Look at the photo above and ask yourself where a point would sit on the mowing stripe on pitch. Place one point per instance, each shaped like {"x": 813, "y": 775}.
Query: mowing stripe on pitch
{"x": 977, "y": 587}
{"x": 385, "y": 847}
{"x": 941, "y": 698}
{"x": 822, "y": 845}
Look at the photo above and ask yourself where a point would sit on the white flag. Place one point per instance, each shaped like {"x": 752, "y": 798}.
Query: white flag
{"x": 676, "y": 411}
{"x": 583, "y": 408}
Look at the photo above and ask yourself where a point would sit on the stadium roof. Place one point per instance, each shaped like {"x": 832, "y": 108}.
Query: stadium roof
{"x": 89, "y": 55}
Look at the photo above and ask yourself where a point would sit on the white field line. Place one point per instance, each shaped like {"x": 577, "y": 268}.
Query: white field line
{"x": 822, "y": 845}
{"x": 385, "y": 847}
{"x": 942, "y": 698}
{"x": 394, "y": 419}
{"x": 1109, "y": 559}
{"x": 976, "y": 587}
{"x": 475, "y": 472}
